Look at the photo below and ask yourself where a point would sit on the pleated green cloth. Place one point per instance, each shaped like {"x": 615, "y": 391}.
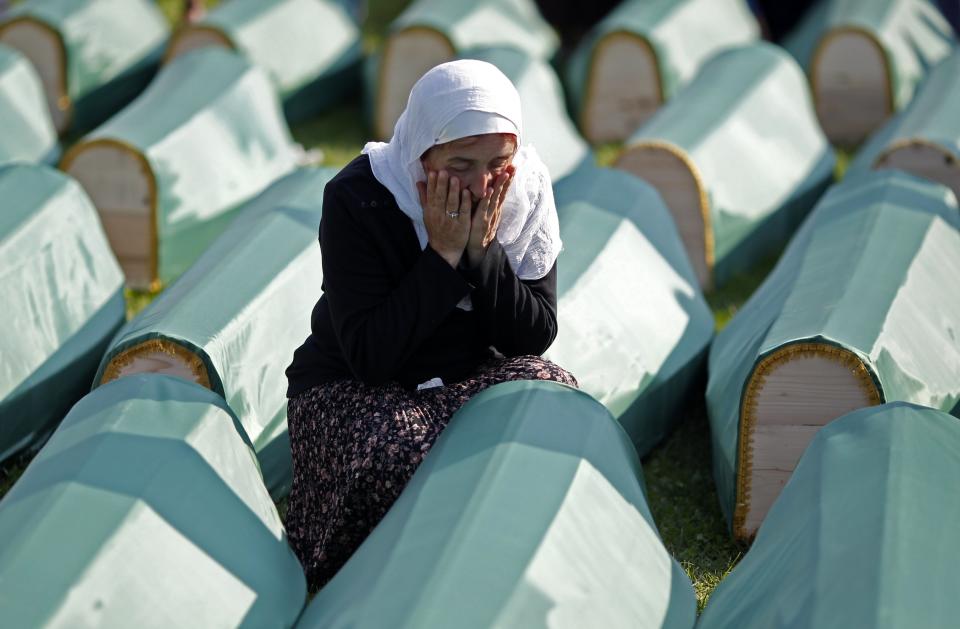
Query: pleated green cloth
{"x": 62, "y": 296}
{"x": 863, "y": 535}
{"x": 908, "y": 38}
{"x": 529, "y": 511}
{"x": 681, "y": 35}
{"x": 913, "y": 35}
{"x": 310, "y": 49}
{"x": 634, "y": 327}
{"x": 212, "y": 134}
{"x": 101, "y": 52}
{"x": 930, "y": 121}
{"x": 146, "y": 509}
{"x": 747, "y": 130}
{"x": 239, "y": 313}
{"x": 28, "y": 133}
{"x": 866, "y": 276}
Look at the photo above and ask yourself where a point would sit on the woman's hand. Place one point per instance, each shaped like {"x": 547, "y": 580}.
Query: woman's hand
{"x": 446, "y": 215}
{"x": 483, "y": 227}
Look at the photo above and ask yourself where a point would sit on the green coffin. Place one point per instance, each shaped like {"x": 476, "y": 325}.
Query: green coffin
{"x": 28, "y": 134}
{"x": 528, "y": 512}
{"x": 310, "y": 49}
{"x": 430, "y": 32}
{"x": 864, "y": 534}
{"x": 638, "y": 56}
{"x": 866, "y": 58}
{"x": 94, "y": 56}
{"x": 924, "y": 139}
{"x": 633, "y": 325}
{"x": 168, "y": 172}
{"x": 232, "y": 322}
{"x": 62, "y": 296}
{"x": 858, "y": 311}
{"x": 546, "y": 124}
{"x": 146, "y": 509}
{"x": 738, "y": 156}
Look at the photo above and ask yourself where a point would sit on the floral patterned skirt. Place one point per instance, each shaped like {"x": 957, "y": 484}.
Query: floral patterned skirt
{"x": 355, "y": 447}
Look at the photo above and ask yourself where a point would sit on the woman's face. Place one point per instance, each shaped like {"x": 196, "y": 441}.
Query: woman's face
{"x": 476, "y": 160}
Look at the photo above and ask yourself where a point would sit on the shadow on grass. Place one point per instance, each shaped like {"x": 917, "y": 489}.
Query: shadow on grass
{"x": 725, "y": 302}
{"x": 679, "y": 476}
{"x": 683, "y": 500}
{"x": 340, "y": 133}
{"x": 12, "y": 470}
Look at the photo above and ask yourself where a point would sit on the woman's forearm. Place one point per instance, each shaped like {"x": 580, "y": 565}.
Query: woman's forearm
{"x": 379, "y": 339}
{"x": 378, "y": 322}
{"x": 519, "y": 315}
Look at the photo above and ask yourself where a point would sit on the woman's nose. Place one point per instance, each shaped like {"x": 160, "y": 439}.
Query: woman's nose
{"x": 480, "y": 184}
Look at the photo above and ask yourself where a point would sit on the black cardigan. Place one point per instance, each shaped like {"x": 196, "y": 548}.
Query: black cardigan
{"x": 389, "y": 309}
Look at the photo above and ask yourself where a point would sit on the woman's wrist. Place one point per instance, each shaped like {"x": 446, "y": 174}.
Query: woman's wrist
{"x": 475, "y": 256}
{"x": 451, "y": 257}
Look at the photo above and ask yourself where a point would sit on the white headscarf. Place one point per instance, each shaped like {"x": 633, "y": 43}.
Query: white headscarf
{"x": 456, "y": 100}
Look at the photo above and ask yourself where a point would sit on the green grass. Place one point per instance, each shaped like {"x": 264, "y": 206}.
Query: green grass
{"x": 680, "y": 487}
{"x": 684, "y": 503}
{"x": 137, "y": 300}
{"x": 173, "y": 9}
{"x": 606, "y": 154}
{"x": 725, "y": 303}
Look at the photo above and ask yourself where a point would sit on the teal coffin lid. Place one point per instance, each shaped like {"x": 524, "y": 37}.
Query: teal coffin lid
{"x": 923, "y": 139}
{"x": 863, "y": 535}
{"x": 633, "y": 326}
{"x": 62, "y": 296}
{"x": 529, "y": 511}
{"x": 28, "y": 133}
{"x": 233, "y": 320}
{"x": 94, "y": 56}
{"x": 858, "y": 311}
{"x": 738, "y": 156}
{"x": 866, "y": 58}
{"x": 310, "y": 49}
{"x": 146, "y": 509}
{"x": 642, "y": 53}
{"x": 168, "y": 172}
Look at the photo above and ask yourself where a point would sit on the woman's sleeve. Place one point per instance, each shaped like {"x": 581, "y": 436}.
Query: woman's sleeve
{"x": 377, "y": 324}
{"x": 520, "y": 316}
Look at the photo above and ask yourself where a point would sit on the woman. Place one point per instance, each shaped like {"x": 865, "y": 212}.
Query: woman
{"x": 439, "y": 264}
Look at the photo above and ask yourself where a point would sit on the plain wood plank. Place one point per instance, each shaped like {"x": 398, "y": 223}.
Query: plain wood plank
{"x": 41, "y": 46}
{"x": 623, "y": 89}
{"x": 851, "y": 87}
{"x": 677, "y": 185}
{"x": 409, "y": 54}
